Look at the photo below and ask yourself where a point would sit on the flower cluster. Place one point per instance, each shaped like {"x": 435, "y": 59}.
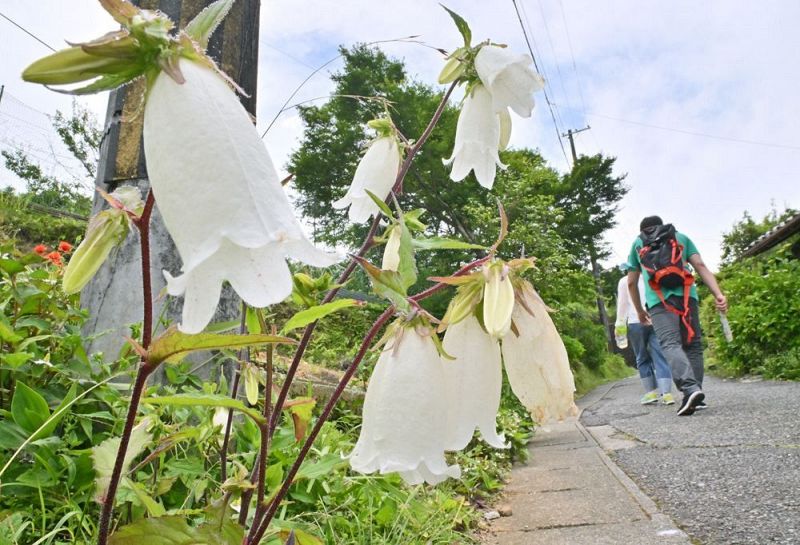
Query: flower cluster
{"x": 421, "y": 403}
{"x": 56, "y": 256}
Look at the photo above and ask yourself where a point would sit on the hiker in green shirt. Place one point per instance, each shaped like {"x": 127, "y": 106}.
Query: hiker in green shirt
{"x": 661, "y": 254}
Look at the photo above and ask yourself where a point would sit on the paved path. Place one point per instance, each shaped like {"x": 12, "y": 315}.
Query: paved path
{"x": 625, "y": 473}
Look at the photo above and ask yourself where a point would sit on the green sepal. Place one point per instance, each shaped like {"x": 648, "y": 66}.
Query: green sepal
{"x": 463, "y": 303}
{"x": 387, "y": 284}
{"x": 73, "y": 65}
{"x": 381, "y": 204}
{"x": 461, "y": 24}
{"x": 206, "y": 22}
{"x": 173, "y": 345}
{"x": 407, "y": 269}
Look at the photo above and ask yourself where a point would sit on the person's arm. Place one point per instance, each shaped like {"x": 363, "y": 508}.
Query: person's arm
{"x": 623, "y": 300}
{"x": 709, "y": 280}
{"x": 633, "y": 289}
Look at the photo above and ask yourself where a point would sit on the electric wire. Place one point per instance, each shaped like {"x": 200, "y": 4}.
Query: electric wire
{"x": 26, "y": 31}
{"x": 546, "y": 97}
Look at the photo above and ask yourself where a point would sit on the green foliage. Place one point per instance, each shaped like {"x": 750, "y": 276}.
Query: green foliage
{"x": 764, "y": 310}
{"x": 746, "y": 231}
{"x": 28, "y": 227}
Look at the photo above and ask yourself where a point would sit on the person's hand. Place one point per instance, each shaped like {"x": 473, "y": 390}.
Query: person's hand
{"x": 722, "y": 303}
{"x": 644, "y": 317}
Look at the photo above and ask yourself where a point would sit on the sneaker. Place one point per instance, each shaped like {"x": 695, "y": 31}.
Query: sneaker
{"x": 689, "y": 403}
{"x": 700, "y": 406}
{"x": 667, "y": 399}
{"x": 649, "y": 398}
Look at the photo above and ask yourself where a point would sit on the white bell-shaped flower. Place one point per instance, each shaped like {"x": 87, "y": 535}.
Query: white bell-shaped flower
{"x": 404, "y": 425}
{"x": 510, "y": 79}
{"x": 220, "y": 196}
{"x": 498, "y": 300}
{"x": 478, "y": 139}
{"x": 536, "y": 362}
{"x": 376, "y": 172}
{"x": 474, "y": 381}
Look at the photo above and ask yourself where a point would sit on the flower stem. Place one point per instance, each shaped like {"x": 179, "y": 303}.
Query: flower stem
{"x": 244, "y": 354}
{"x": 144, "y": 371}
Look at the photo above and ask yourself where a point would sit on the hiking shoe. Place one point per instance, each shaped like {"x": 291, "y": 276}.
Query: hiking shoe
{"x": 667, "y": 399}
{"x": 649, "y": 398}
{"x": 689, "y": 404}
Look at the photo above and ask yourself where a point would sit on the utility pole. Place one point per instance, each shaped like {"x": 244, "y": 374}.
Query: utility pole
{"x": 598, "y": 285}
{"x": 113, "y": 297}
{"x": 2, "y": 88}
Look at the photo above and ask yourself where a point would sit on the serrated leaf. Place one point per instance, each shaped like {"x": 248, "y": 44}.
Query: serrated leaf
{"x": 305, "y": 317}
{"x": 381, "y": 204}
{"x": 11, "y": 266}
{"x": 461, "y": 24}
{"x": 206, "y": 22}
{"x": 206, "y": 400}
{"x": 387, "y": 284}
{"x": 442, "y": 243}
{"x": 104, "y": 456}
{"x": 173, "y": 345}
{"x": 28, "y": 408}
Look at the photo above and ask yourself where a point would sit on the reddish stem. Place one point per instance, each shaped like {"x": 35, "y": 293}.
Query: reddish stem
{"x": 144, "y": 371}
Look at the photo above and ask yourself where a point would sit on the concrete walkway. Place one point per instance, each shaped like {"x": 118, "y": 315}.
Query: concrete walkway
{"x": 571, "y": 493}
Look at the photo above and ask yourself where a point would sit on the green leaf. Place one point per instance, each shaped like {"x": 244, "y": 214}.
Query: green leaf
{"x": 305, "y": 317}
{"x": 28, "y": 408}
{"x": 154, "y": 509}
{"x": 104, "y": 455}
{"x": 442, "y": 243}
{"x": 387, "y": 284}
{"x": 172, "y": 346}
{"x": 206, "y": 400}
{"x": 176, "y": 530}
{"x": 381, "y": 204}
{"x": 17, "y": 359}
{"x": 206, "y": 22}
{"x": 108, "y": 82}
{"x": 58, "y": 415}
{"x": 461, "y": 24}
{"x": 320, "y": 467}
{"x": 73, "y": 65}
{"x": 296, "y": 536}
{"x": 11, "y": 266}
{"x": 7, "y": 334}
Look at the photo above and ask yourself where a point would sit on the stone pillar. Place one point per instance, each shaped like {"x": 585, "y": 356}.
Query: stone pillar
{"x": 114, "y": 297}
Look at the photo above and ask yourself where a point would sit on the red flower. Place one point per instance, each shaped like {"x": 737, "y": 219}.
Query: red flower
{"x": 65, "y": 246}
{"x": 54, "y": 258}
{"x": 40, "y": 249}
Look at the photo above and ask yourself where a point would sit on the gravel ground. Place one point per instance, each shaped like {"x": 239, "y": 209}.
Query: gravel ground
{"x": 726, "y": 475}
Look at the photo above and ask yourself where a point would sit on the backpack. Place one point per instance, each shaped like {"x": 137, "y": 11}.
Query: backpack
{"x": 661, "y": 255}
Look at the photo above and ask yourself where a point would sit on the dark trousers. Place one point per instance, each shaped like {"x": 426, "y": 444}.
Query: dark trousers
{"x": 685, "y": 361}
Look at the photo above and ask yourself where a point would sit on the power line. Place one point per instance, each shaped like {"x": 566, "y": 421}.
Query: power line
{"x": 552, "y": 49}
{"x": 546, "y": 97}
{"x": 696, "y": 133}
{"x": 26, "y": 31}
{"x": 572, "y": 56}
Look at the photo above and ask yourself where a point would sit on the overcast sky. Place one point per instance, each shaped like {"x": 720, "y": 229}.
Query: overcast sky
{"x": 697, "y": 100}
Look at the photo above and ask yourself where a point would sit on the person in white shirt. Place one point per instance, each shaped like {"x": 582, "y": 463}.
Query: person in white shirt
{"x": 650, "y": 361}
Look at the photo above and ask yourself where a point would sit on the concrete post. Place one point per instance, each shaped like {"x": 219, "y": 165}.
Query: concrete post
{"x": 114, "y": 297}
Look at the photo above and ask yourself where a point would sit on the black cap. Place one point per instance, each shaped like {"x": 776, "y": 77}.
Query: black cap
{"x": 650, "y": 221}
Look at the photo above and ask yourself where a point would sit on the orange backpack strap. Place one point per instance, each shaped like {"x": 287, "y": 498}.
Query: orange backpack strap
{"x": 688, "y": 280}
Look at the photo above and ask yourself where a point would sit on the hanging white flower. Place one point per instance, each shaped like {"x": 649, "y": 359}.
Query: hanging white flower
{"x": 220, "y": 197}
{"x": 498, "y": 300}
{"x": 404, "y": 423}
{"x": 510, "y": 79}
{"x": 478, "y": 139}
{"x": 474, "y": 381}
{"x": 536, "y": 361}
{"x": 377, "y": 173}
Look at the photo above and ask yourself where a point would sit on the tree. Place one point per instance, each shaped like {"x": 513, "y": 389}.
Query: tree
{"x": 746, "y": 231}
{"x": 80, "y": 135}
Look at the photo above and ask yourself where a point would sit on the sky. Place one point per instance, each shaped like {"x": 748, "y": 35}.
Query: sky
{"x": 696, "y": 100}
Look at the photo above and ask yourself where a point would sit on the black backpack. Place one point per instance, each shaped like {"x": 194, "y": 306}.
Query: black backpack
{"x": 661, "y": 255}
